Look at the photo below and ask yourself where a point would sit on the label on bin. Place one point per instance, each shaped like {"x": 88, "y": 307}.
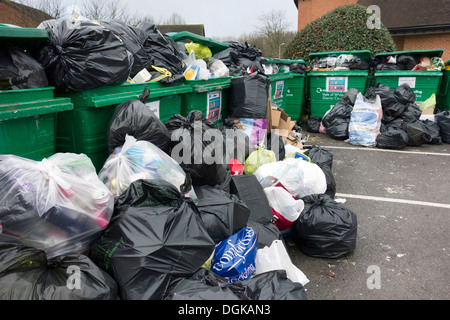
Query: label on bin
{"x": 411, "y": 81}
{"x": 279, "y": 87}
{"x": 213, "y": 108}
{"x": 154, "y": 107}
{"x": 337, "y": 84}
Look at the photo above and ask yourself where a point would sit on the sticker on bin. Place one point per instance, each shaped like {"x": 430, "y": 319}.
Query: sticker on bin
{"x": 337, "y": 84}
{"x": 214, "y": 105}
{"x": 411, "y": 81}
{"x": 279, "y": 87}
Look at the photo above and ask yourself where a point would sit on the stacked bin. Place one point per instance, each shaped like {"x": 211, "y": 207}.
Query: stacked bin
{"x": 84, "y": 129}
{"x": 293, "y": 95}
{"x": 28, "y": 117}
{"x": 443, "y": 95}
{"x": 210, "y": 96}
{"x": 326, "y": 88}
{"x": 423, "y": 83}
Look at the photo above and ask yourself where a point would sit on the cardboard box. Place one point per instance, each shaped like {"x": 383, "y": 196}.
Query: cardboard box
{"x": 281, "y": 122}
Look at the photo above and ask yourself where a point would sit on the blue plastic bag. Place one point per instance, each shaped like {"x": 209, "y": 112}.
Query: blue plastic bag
{"x": 234, "y": 257}
{"x": 365, "y": 121}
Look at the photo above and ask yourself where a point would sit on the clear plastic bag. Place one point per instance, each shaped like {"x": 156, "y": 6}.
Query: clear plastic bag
{"x": 365, "y": 121}
{"x": 298, "y": 176}
{"x": 139, "y": 160}
{"x": 57, "y": 205}
{"x": 258, "y": 158}
{"x": 276, "y": 257}
{"x": 287, "y": 208}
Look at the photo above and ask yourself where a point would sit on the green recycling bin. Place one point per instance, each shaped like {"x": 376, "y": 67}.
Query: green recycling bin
{"x": 326, "y": 88}
{"x": 28, "y": 119}
{"x": 294, "y": 94}
{"x": 84, "y": 129}
{"x": 211, "y": 97}
{"x": 443, "y": 95}
{"x": 423, "y": 83}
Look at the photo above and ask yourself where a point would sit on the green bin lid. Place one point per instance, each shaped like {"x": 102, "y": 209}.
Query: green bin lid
{"x": 284, "y": 61}
{"x": 214, "y": 45}
{"x": 363, "y": 54}
{"x": 23, "y": 37}
{"x": 424, "y": 53}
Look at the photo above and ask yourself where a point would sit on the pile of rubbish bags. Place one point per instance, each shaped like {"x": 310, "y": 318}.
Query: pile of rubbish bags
{"x": 383, "y": 117}
{"x": 172, "y": 214}
{"x": 411, "y": 62}
{"x": 343, "y": 62}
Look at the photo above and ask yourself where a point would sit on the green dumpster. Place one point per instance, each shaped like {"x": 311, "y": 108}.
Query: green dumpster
{"x": 423, "y": 83}
{"x": 210, "y": 96}
{"x": 214, "y": 45}
{"x": 28, "y": 117}
{"x": 294, "y": 93}
{"x": 443, "y": 95}
{"x": 326, "y": 88}
{"x": 84, "y": 129}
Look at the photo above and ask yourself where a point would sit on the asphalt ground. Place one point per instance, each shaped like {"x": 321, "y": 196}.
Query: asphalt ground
{"x": 402, "y": 203}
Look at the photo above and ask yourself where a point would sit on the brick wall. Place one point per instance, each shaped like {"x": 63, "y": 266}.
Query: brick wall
{"x": 310, "y": 10}
{"x": 427, "y": 41}
{"x": 20, "y": 18}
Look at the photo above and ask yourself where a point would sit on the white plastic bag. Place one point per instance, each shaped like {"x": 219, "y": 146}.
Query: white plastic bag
{"x": 365, "y": 121}
{"x": 299, "y": 177}
{"x": 219, "y": 69}
{"x": 139, "y": 160}
{"x": 276, "y": 257}
{"x": 287, "y": 208}
{"x": 57, "y": 205}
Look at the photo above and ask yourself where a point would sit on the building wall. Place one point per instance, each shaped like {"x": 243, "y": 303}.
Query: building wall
{"x": 21, "y": 17}
{"x": 427, "y": 41}
{"x": 310, "y": 10}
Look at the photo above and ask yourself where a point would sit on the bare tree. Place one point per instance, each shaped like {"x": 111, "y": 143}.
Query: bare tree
{"x": 53, "y": 8}
{"x": 104, "y": 10}
{"x": 174, "y": 18}
{"x": 273, "y": 26}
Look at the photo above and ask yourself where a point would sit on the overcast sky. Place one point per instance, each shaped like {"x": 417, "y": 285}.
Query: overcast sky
{"x": 220, "y": 18}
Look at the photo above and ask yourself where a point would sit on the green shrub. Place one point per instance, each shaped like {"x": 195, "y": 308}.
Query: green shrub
{"x": 343, "y": 29}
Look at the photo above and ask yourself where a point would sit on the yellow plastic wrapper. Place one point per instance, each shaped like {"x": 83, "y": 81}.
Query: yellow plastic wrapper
{"x": 257, "y": 158}
{"x": 201, "y": 51}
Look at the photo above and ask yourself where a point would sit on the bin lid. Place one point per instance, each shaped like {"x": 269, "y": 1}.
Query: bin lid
{"x": 23, "y": 37}
{"x": 363, "y": 54}
{"x": 284, "y": 61}
{"x": 214, "y": 45}
{"x": 424, "y": 53}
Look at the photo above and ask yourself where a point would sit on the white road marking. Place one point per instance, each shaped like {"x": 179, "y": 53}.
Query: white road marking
{"x": 389, "y": 150}
{"x": 413, "y": 202}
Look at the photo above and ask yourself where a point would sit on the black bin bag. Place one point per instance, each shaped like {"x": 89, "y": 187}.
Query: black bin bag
{"x": 418, "y": 133}
{"x": 313, "y": 124}
{"x": 222, "y": 213}
{"x": 405, "y": 94}
{"x": 134, "y": 118}
{"x": 443, "y": 121}
{"x": 82, "y": 55}
{"x": 323, "y": 157}
{"x": 250, "y": 191}
{"x": 198, "y": 147}
{"x": 395, "y": 139}
{"x": 23, "y": 71}
{"x": 26, "y": 274}
{"x": 248, "y": 96}
{"x": 155, "y": 238}
{"x": 325, "y": 229}
{"x": 132, "y": 38}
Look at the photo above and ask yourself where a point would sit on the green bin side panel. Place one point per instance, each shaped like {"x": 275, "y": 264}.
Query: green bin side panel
{"x": 29, "y": 137}
{"x": 216, "y": 91}
{"x": 295, "y": 97}
{"x": 323, "y": 96}
{"x": 423, "y": 83}
{"x": 85, "y": 129}
{"x": 443, "y": 95}
{"x": 218, "y": 99}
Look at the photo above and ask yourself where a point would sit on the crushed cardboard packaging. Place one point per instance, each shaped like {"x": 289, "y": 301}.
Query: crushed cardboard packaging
{"x": 281, "y": 122}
